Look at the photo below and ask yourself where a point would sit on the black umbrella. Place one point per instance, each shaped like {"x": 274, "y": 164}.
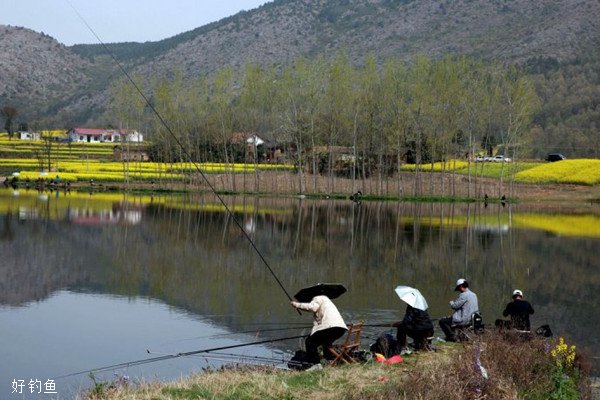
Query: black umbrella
{"x": 331, "y": 290}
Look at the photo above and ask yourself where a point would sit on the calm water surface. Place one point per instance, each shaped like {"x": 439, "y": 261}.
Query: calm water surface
{"x": 88, "y": 281}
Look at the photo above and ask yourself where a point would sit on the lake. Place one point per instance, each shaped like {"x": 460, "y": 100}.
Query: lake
{"x": 91, "y": 280}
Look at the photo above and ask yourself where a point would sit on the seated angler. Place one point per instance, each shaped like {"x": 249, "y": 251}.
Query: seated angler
{"x": 464, "y": 307}
{"x": 328, "y": 326}
{"x": 415, "y": 324}
{"x": 519, "y": 311}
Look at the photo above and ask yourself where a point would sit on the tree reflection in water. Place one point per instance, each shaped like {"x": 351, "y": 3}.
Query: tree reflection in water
{"x": 188, "y": 253}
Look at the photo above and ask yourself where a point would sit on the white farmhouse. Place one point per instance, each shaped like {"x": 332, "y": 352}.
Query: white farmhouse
{"x": 95, "y": 135}
{"x": 29, "y": 135}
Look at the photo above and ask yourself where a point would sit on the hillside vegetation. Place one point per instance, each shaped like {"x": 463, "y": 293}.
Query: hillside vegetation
{"x": 556, "y": 42}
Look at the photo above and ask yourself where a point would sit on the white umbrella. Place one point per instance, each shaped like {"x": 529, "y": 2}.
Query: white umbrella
{"x": 412, "y": 297}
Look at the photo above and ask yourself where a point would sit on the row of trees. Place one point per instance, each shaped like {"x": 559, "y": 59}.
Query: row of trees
{"x": 425, "y": 110}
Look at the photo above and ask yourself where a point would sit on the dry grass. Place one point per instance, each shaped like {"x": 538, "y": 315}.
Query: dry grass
{"x": 516, "y": 369}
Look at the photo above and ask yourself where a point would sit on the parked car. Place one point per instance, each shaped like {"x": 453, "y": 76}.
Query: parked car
{"x": 555, "y": 157}
{"x": 500, "y": 159}
{"x": 481, "y": 159}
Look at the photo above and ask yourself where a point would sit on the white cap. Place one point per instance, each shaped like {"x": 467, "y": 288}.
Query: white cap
{"x": 517, "y": 292}
{"x": 460, "y": 282}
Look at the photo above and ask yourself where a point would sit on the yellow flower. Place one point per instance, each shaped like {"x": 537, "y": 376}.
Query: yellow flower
{"x": 563, "y": 354}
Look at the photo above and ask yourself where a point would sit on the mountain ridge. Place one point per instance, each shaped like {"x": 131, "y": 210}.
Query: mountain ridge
{"x": 71, "y": 85}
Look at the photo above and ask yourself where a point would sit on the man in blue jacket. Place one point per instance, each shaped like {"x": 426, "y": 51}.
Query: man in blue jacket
{"x": 464, "y": 306}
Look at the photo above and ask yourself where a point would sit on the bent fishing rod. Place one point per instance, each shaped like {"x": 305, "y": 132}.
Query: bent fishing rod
{"x": 183, "y": 150}
{"x": 175, "y": 355}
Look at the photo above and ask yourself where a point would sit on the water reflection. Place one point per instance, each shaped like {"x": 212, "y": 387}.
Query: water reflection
{"x": 189, "y": 254}
{"x": 71, "y": 332}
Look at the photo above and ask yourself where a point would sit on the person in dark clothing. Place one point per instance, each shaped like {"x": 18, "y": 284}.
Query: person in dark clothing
{"x": 416, "y": 324}
{"x": 519, "y": 311}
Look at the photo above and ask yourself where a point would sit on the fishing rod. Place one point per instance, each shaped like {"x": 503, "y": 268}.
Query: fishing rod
{"x": 297, "y": 324}
{"x": 282, "y": 327}
{"x": 253, "y": 331}
{"x": 228, "y": 356}
{"x": 251, "y": 360}
{"x": 390, "y": 324}
{"x": 183, "y": 150}
{"x": 175, "y": 355}
{"x": 243, "y": 360}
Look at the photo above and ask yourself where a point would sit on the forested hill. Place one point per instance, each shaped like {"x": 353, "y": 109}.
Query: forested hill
{"x": 509, "y": 30}
{"x": 556, "y": 40}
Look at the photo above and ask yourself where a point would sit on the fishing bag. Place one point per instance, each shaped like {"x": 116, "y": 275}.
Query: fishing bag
{"x": 544, "y": 331}
{"x": 386, "y": 344}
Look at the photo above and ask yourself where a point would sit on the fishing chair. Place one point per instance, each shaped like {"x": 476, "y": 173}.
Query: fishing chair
{"x": 476, "y": 326}
{"x": 345, "y": 351}
{"x": 424, "y": 342}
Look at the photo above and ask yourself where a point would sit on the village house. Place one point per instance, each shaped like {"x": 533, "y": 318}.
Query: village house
{"x": 57, "y": 135}
{"x": 96, "y": 135}
{"x": 29, "y": 136}
{"x": 131, "y": 135}
{"x": 130, "y": 153}
{"x": 342, "y": 157}
{"x": 265, "y": 149}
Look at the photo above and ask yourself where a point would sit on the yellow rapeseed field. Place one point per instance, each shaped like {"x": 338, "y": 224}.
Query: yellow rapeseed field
{"x": 580, "y": 172}
{"x": 84, "y": 161}
{"x": 84, "y": 170}
{"x": 438, "y": 166}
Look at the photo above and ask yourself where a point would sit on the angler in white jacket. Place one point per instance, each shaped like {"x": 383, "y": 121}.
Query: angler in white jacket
{"x": 328, "y": 326}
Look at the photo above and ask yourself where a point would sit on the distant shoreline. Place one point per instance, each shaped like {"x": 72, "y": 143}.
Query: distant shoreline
{"x": 287, "y": 184}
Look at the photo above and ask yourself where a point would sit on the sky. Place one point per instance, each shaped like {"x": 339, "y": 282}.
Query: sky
{"x": 118, "y": 20}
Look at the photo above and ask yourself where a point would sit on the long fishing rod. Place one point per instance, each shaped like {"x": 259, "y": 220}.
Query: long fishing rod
{"x": 297, "y": 324}
{"x": 244, "y": 360}
{"x": 253, "y": 360}
{"x": 256, "y": 360}
{"x": 223, "y": 356}
{"x": 257, "y": 332}
{"x": 183, "y": 150}
{"x": 390, "y": 324}
{"x": 175, "y": 355}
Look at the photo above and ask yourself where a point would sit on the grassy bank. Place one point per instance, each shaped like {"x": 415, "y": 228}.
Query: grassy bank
{"x": 512, "y": 369}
